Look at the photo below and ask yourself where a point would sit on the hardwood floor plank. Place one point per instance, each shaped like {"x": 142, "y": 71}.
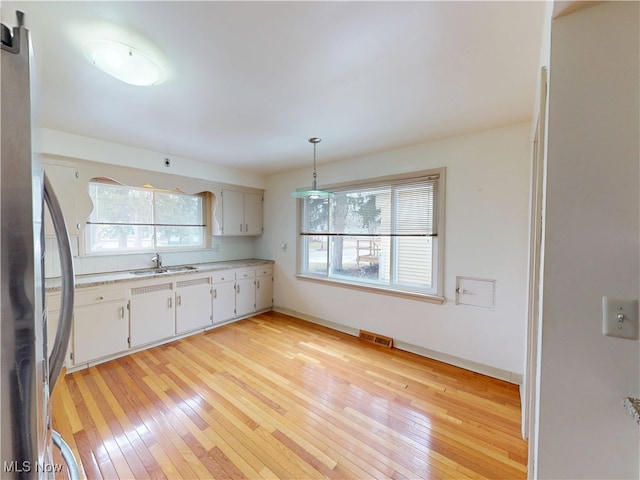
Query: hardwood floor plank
{"x": 243, "y": 459}
{"x": 273, "y": 396}
{"x": 158, "y": 423}
{"x": 92, "y": 432}
{"x": 66, "y": 429}
{"x": 117, "y": 423}
{"x": 61, "y": 394}
{"x": 168, "y": 468}
{"x": 85, "y": 456}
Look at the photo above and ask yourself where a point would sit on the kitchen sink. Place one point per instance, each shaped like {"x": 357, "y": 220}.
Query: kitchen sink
{"x": 183, "y": 268}
{"x": 158, "y": 271}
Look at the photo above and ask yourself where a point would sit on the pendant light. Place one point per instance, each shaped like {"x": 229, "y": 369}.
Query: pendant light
{"x": 313, "y": 192}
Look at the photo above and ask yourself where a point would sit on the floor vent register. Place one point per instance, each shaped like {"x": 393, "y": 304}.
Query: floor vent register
{"x": 376, "y": 339}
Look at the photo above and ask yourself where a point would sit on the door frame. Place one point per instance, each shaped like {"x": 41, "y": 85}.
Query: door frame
{"x": 534, "y": 321}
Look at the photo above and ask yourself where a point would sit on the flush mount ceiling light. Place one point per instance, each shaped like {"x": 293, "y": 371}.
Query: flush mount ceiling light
{"x": 313, "y": 192}
{"x": 123, "y": 62}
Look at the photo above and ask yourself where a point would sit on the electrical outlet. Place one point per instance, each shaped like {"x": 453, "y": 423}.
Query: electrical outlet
{"x": 620, "y": 318}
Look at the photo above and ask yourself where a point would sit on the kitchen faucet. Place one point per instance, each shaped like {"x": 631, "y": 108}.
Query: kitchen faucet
{"x": 157, "y": 260}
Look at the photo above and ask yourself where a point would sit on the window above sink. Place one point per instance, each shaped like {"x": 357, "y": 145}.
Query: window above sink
{"x": 137, "y": 219}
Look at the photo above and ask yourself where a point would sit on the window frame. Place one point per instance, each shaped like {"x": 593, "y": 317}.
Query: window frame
{"x": 436, "y": 295}
{"x": 205, "y": 224}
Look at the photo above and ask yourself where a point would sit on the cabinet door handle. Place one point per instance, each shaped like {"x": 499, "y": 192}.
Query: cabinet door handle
{"x": 237, "y": 288}
{"x": 179, "y": 300}
{"x": 246, "y": 227}
{"x": 170, "y": 302}
{"x": 215, "y": 293}
{"x": 122, "y": 312}
{"x": 240, "y": 227}
{"x": 257, "y": 283}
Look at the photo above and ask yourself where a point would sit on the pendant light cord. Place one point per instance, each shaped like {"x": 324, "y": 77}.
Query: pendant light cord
{"x": 314, "y": 166}
{"x": 315, "y": 141}
{"x": 314, "y": 192}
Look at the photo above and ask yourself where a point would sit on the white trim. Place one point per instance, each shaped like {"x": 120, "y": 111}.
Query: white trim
{"x": 529, "y": 391}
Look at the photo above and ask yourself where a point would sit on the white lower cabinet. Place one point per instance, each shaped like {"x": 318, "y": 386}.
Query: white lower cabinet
{"x": 193, "y": 304}
{"x": 264, "y": 288}
{"x": 100, "y": 325}
{"x": 152, "y": 313}
{"x": 223, "y": 296}
{"x": 245, "y": 292}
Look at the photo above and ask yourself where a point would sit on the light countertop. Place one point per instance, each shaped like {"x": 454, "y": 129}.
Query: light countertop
{"x": 93, "y": 280}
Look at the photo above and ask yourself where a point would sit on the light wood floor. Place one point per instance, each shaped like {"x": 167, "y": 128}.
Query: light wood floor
{"x": 276, "y": 397}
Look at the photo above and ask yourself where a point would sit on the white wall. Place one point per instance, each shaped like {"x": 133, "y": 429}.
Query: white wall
{"x": 591, "y": 247}
{"x": 486, "y": 236}
{"x": 63, "y": 144}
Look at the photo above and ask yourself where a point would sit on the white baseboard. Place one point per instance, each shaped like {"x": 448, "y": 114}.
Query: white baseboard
{"x": 490, "y": 371}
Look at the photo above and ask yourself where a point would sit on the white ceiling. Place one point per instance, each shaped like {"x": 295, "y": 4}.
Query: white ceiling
{"x": 249, "y": 82}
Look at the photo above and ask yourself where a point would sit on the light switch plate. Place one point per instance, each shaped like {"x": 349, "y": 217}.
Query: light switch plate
{"x": 620, "y": 318}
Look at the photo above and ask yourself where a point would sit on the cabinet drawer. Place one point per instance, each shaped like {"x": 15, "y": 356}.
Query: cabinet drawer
{"x": 223, "y": 276}
{"x": 264, "y": 270}
{"x": 98, "y": 295}
{"x": 245, "y": 273}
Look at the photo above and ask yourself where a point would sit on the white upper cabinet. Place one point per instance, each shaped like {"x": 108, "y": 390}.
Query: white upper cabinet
{"x": 252, "y": 214}
{"x": 241, "y": 213}
{"x": 232, "y": 212}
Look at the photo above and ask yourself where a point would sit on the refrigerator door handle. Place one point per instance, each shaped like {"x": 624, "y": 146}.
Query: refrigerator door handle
{"x": 56, "y": 360}
{"x": 67, "y": 455}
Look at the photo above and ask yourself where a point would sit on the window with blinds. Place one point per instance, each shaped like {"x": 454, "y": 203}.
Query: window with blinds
{"x": 381, "y": 233}
{"x": 128, "y": 218}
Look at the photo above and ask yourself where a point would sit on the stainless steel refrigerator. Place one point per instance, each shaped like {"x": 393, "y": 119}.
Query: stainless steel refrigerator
{"x": 28, "y": 372}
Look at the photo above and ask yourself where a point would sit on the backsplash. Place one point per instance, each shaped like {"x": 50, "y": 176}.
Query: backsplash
{"x": 225, "y": 248}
